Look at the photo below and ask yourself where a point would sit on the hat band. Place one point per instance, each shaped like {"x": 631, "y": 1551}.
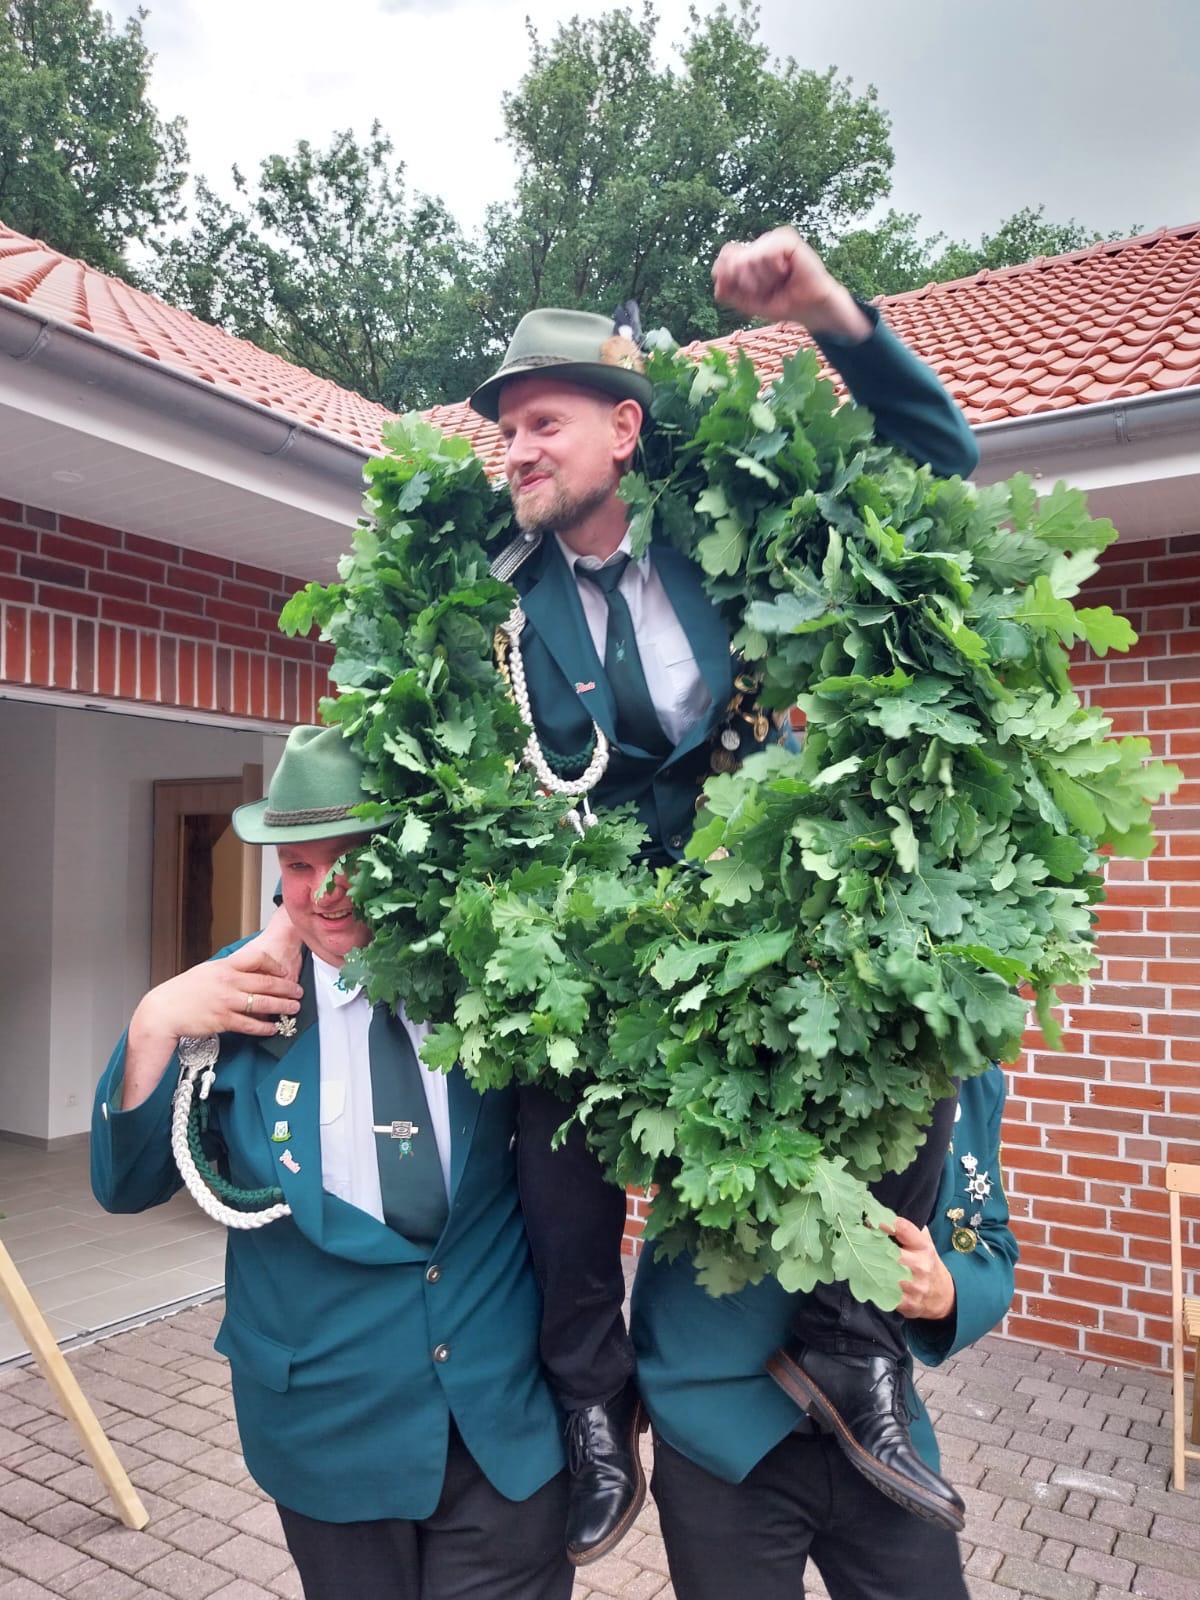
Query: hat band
{"x": 296, "y": 819}
{"x": 524, "y": 363}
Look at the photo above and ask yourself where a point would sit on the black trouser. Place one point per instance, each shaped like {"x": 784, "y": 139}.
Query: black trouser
{"x": 575, "y": 1219}
{"x": 476, "y": 1546}
{"x": 753, "y": 1539}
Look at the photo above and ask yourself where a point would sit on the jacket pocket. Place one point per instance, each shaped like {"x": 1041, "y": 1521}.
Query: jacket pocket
{"x": 251, "y": 1352}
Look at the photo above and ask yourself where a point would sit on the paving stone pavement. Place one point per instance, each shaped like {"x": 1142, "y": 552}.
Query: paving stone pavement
{"x": 1064, "y": 1465}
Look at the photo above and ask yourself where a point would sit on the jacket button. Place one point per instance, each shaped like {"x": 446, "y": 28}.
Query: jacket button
{"x": 432, "y": 1273}
{"x": 441, "y": 1352}
{"x": 676, "y": 841}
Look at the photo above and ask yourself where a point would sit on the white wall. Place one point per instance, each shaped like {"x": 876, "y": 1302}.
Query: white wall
{"x": 85, "y": 777}
{"x": 26, "y": 914}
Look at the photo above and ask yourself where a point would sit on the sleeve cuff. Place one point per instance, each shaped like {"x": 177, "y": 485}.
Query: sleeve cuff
{"x": 835, "y": 341}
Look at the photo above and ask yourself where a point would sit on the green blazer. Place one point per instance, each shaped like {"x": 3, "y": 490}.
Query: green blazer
{"x": 332, "y": 1319}
{"x": 701, "y": 1360}
{"x": 566, "y": 680}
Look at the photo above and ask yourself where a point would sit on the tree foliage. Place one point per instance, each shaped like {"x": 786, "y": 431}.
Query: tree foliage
{"x": 86, "y": 163}
{"x": 329, "y": 263}
{"x": 760, "y": 1030}
{"x": 631, "y": 176}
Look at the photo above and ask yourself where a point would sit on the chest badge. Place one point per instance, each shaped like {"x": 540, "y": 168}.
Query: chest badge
{"x": 286, "y": 1027}
{"x": 282, "y": 1133}
{"x": 963, "y": 1239}
{"x": 288, "y": 1160}
{"x": 583, "y": 688}
{"x": 286, "y": 1092}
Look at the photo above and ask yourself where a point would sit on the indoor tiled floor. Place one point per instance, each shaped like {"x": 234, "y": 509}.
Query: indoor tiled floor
{"x": 87, "y": 1269}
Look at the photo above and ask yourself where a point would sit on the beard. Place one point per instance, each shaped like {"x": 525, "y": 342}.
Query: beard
{"x": 563, "y": 511}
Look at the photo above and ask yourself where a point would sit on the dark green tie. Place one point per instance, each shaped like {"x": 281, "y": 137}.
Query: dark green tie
{"x": 411, "y": 1184}
{"x": 637, "y": 720}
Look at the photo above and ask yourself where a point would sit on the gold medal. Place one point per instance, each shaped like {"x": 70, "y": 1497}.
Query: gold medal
{"x": 964, "y": 1240}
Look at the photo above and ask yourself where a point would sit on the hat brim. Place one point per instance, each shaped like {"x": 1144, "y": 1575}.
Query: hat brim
{"x": 619, "y": 382}
{"x": 251, "y": 826}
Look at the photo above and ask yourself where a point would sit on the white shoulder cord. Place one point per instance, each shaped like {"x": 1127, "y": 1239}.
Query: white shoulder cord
{"x": 512, "y": 669}
{"x": 198, "y": 1057}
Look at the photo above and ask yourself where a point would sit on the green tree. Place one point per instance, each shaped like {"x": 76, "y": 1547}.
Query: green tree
{"x": 891, "y": 256}
{"x": 631, "y": 177}
{"x": 85, "y": 161}
{"x": 328, "y": 263}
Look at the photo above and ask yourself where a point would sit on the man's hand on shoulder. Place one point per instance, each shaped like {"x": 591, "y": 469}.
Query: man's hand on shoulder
{"x": 929, "y": 1293}
{"x": 780, "y": 278}
{"x": 213, "y": 997}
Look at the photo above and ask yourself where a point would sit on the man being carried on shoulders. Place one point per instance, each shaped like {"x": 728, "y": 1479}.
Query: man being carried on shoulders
{"x": 637, "y": 649}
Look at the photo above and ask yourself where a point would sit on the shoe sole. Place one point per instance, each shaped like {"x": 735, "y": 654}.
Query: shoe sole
{"x": 798, "y": 1386}
{"x": 583, "y": 1558}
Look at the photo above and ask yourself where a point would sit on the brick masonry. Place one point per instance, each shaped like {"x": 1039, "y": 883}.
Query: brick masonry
{"x": 90, "y": 610}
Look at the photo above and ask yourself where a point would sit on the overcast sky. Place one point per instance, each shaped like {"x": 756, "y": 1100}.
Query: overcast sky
{"x": 1091, "y": 106}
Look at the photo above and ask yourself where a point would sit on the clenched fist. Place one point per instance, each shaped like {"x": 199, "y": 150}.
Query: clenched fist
{"x": 782, "y": 279}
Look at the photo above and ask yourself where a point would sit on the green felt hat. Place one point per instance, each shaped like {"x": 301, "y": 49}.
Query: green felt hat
{"x": 575, "y": 346}
{"x": 318, "y": 779}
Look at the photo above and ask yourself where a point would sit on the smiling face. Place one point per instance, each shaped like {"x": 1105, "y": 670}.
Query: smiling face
{"x": 321, "y": 913}
{"x": 566, "y": 448}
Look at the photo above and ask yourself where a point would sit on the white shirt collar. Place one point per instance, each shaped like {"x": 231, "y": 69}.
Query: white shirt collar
{"x": 593, "y": 563}
{"x": 329, "y": 985}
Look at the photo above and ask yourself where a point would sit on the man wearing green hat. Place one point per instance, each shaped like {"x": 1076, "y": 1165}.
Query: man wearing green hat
{"x": 635, "y": 648}
{"x": 383, "y": 1336}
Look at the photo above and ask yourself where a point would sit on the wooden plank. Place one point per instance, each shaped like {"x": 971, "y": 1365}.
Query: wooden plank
{"x": 1183, "y": 1179}
{"x": 32, "y": 1325}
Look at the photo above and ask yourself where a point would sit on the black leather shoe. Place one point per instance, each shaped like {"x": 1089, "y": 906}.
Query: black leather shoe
{"x": 607, "y": 1484}
{"x": 860, "y": 1400}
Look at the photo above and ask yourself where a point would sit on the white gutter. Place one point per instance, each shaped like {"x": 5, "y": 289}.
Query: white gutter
{"x": 1098, "y": 426}
{"x": 77, "y": 356}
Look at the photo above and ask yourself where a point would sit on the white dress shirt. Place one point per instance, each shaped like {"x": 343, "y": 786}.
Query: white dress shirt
{"x": 349, "y": 1161}
{"x": 676, "y": 687}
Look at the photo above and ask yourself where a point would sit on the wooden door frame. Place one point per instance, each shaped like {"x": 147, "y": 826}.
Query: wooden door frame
{"x": 174, "y": 799}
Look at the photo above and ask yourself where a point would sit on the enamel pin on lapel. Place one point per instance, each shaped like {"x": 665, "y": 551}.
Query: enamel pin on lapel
{"x": 282, "y": 1133}
{"x": 286, "y": 1027}
{"x": 288, "y": 1160}
{"x": 582, "y": 688}
{"x": 286, "y": 1092}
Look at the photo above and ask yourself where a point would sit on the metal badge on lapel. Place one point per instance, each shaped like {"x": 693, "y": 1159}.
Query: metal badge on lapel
{"x": 286, "y": 1092}
{"x": 288, "y": 1160}
{"x": 282, "y": 1133}
{"x": 286, "y": 1027}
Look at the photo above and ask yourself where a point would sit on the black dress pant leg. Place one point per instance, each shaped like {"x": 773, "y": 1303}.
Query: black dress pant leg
{"x": 803, "y": 1501}
{"x": 830, "y": 1318}
{"x": 575, "y": 1220}
{"x": 476, "y": 1546}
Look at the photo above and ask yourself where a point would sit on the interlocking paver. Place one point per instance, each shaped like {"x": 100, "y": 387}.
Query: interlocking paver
{"x": 1065, "y": 1467}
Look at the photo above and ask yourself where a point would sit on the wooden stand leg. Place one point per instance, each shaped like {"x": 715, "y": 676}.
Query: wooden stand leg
{"x": 25, "y": 1313}
{"x": 1196, "y": 1394}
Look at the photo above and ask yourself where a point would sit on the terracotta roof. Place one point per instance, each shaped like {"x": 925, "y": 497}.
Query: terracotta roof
{"x": 1116, "y": 320}
{"x": 64, "y": 290}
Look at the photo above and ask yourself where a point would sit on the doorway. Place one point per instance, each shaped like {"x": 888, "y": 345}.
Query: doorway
{"x": 206, "y": 883}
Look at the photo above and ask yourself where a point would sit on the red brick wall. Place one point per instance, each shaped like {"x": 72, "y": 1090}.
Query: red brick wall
{"x": 95, "y": 611}
{"x": 1090, "y": 1128}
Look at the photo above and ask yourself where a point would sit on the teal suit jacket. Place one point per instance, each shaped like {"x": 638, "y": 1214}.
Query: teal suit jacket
{"x": 567, "y": 685}
{"x": 701, "y": 1361}
{"x": 332, "y": 1318}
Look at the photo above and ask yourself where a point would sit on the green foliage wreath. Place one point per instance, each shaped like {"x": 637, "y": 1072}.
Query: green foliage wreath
{"x": 761, "y": 1030}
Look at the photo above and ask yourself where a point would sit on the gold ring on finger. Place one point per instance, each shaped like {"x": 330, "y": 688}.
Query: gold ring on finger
{"x": 248, "y": 1008}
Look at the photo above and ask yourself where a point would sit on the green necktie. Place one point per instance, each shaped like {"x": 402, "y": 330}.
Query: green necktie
{"x": 637, "y": 720}
{"x": 411, "y": 1184}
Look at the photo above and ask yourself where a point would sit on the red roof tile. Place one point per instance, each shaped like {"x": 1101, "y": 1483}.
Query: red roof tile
{"x": 1118, "y": 319}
